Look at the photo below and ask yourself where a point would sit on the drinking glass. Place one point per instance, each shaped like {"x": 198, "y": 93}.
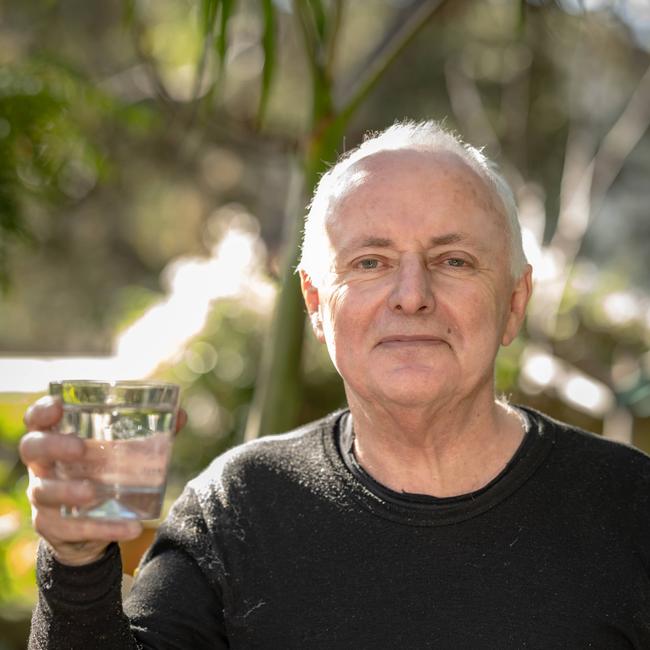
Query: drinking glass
{"x": 127, "y": 428}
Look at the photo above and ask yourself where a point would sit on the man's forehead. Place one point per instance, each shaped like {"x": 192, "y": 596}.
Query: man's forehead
{"x": 362, "y": 179}
{"x": 385, "y": 164}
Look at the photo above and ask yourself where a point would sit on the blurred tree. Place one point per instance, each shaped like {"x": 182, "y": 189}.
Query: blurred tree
{"x": 41, "y": 153}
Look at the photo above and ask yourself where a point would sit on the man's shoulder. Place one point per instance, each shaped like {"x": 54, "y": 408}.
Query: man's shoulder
{"x": 294, "y": 452}
{"x": 590, "y": 449}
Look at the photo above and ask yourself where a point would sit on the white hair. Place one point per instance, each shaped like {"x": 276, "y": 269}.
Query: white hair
{"x": 422, "y": 136}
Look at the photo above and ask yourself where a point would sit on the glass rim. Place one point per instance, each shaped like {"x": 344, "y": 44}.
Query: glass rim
{"x": 115, "y": 392}
{"x": 127, "y": 383}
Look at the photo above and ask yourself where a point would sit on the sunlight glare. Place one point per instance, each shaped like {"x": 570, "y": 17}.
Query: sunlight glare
{"x": 235, "y": 268}
{"x": 621, "y": 307}
{"x": 540, "y": 368}
{"x": 587, "y": 394}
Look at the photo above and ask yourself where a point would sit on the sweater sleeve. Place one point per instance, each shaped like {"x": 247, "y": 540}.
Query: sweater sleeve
{"x": 176, "y": 601}
{"x": 173, "y": 604}
{"x": 80, "y": 607}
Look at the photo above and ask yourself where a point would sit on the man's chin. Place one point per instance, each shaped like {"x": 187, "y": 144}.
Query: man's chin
{"x": 415, "y": 386}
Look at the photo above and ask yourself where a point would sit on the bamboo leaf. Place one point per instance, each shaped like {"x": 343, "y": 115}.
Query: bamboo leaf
{"x": 333, "y": 31}
{"x": 227, "y": 8}
{"x": 208, "y": 15}
{"x": 521, "y": 16}
{"x": 128, "y": 12}
{"x": 320, "y": 20}
{"x": 306, "y": 28}
{"x": 268, "y": 44}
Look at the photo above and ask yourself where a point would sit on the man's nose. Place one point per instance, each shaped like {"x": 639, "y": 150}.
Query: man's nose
{"x": 412, "y": 292}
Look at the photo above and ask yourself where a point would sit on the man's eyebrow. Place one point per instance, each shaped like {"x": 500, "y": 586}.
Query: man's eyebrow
{"x": 384, "y": 242}
{"x": 367, "y": 242}
{"x": 450, "y": 238}
{"x": 371, "y": 242}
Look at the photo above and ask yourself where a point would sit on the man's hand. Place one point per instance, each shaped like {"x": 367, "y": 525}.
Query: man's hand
{"x": 73, "y": 541}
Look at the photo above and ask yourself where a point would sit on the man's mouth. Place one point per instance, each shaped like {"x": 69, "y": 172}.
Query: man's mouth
{"x": 407, "y": 340}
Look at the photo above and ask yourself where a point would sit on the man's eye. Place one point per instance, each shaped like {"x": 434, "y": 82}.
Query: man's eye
{"x": 456, "y": 262}
{"x": 368, "y": 264}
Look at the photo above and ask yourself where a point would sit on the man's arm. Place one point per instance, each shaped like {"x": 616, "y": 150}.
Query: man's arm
{"x": 171, "y": 606}
{"x": 80, "y": 606}
{"x": 174, "y": 604}
{"x": 177, "y": 600}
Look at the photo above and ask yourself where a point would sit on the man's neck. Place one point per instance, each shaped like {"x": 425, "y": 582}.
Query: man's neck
{"x": 444, "y": 453}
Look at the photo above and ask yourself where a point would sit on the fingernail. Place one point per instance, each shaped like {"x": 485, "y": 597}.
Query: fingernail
{"x": 134, "y": 530}
{"x": 47, "y": 401}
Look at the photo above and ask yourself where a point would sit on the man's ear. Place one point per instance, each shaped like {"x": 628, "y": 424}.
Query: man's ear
{"x": 518, "y": 302}
{"x": 312, "y": 302}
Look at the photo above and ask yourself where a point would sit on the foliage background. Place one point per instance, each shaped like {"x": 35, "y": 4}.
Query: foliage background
{"x": 137, "y": 136}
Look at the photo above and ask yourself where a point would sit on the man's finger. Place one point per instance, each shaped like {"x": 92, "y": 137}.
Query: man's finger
{"x": 46, "y": 492}
{"x": 44, "y": 449}
{"x": 44, "y": 413}
{"x": 49, "y": 523}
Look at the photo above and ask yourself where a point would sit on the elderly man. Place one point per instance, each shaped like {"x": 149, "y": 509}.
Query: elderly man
{"x": 426, "y": 515}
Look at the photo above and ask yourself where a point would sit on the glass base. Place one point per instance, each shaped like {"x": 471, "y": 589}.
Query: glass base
{"x": 111, "y": 509}
{"x": 121, "y": 503}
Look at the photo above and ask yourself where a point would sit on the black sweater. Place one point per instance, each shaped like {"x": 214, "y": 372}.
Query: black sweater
{"x": 286, "y": 543}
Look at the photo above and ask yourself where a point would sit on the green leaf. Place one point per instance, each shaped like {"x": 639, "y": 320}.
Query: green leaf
{"x": 521, "y": 17}
{"x": 227, "y": 8}
{"x": 320, "y": 20}
{"x": 128, "y": 13}
{"x": 268, "y": 44}
{"x": 208, "y": 15}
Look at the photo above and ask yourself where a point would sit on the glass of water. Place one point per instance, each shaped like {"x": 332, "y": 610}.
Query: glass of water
{"x": 127, "y": 428}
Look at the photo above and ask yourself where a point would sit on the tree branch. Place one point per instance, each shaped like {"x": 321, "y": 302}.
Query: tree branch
{"x": 621, "y": 139}
{"x": 149, "y": 64}
{"x": 393, "y": 47}
{"x": 586, "y": 179}
{"x": 599, "y": 173}
{"x": 467, "y": 105}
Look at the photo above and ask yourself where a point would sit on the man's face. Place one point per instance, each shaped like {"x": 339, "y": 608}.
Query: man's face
{"x": 419, "y": 296}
